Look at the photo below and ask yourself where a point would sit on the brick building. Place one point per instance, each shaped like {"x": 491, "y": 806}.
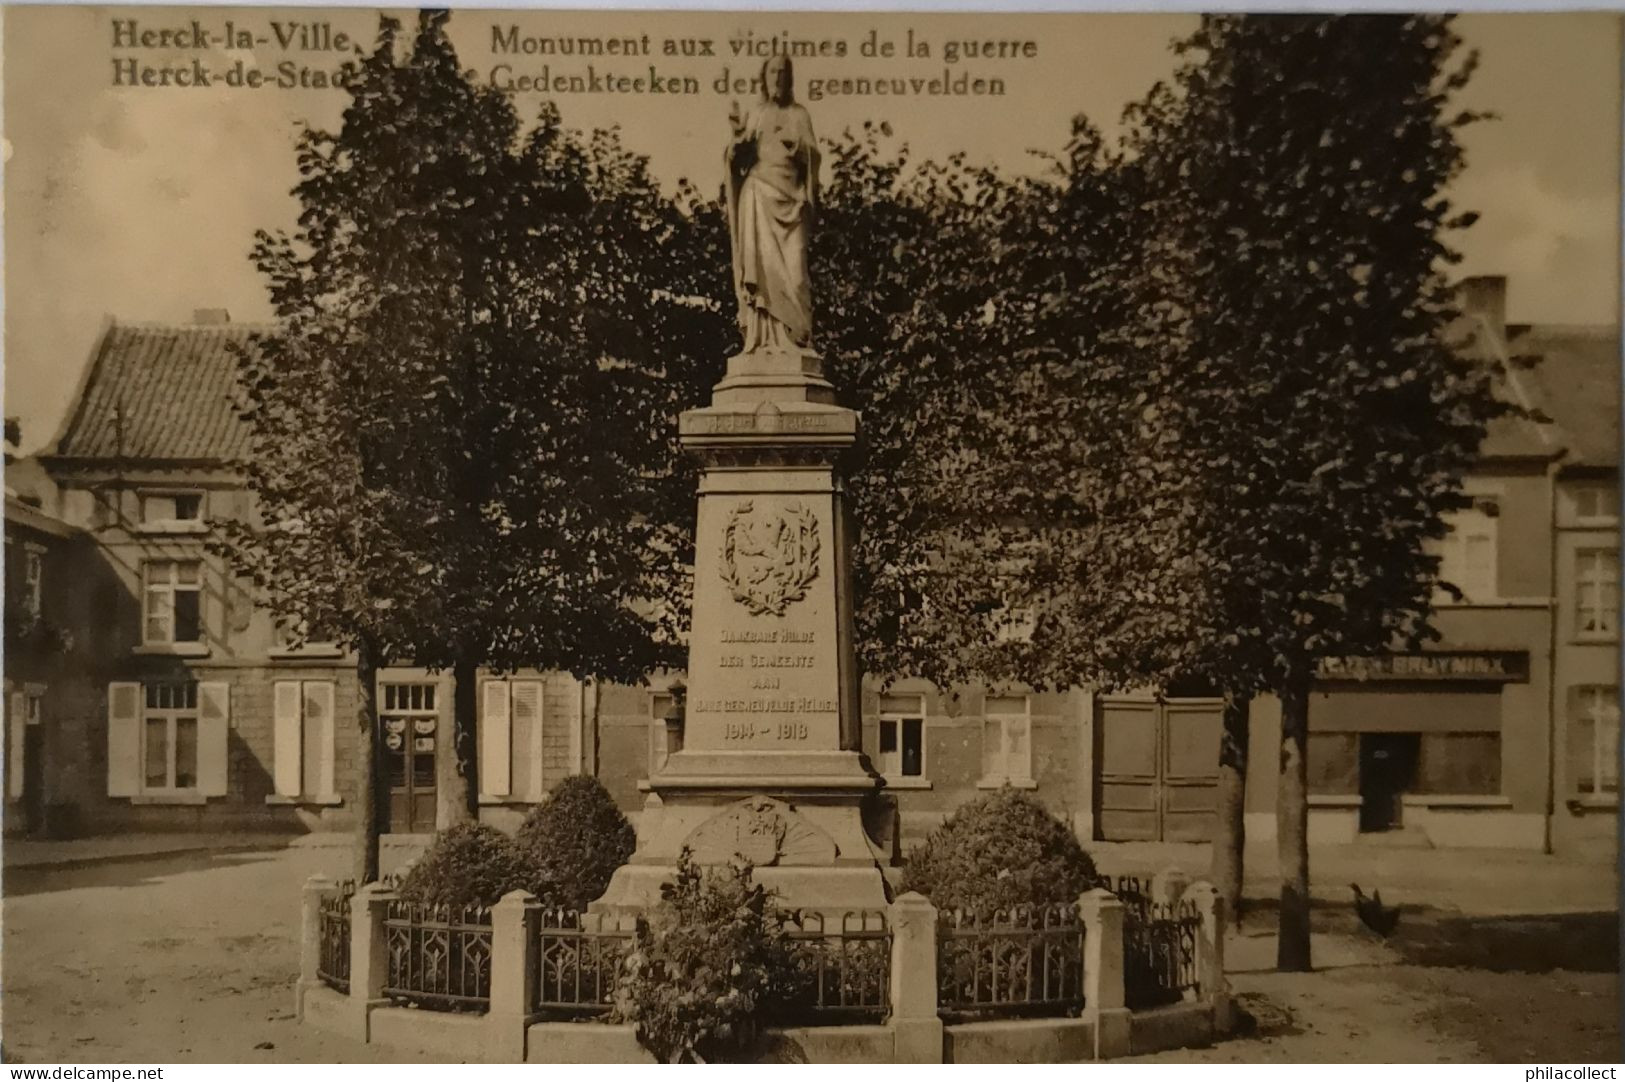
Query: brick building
{"x": 192, "y": 714}
{"x": 1506, "y": 732}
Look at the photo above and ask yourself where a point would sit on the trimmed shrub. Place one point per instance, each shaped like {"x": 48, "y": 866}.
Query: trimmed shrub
{"x": 1003, "y": 850}
{"x": 574, "y": 842}
{"x": 468, "y": 864}
{"x": 709, "y": 967}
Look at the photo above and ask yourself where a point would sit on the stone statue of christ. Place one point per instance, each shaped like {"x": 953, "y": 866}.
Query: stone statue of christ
{"x": 772, "y": 189}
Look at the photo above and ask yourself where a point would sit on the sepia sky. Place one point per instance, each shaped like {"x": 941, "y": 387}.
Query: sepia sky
{"x": 139, "y": 203}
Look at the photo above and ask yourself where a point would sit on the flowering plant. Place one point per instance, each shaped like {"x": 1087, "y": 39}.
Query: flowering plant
{"x": 710, "y": 965}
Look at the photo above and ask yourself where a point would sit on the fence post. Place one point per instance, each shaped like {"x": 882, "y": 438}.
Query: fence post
{"x": 1103, "y": 1001}
{"x": 369, "y": 954}
{"x": 514, "y": 928}
{"x": 915, "y": 1024}
{"x": 1169, "y": 886}
{"x": 315, "y": 891}
{"x": 1210, "y": 952}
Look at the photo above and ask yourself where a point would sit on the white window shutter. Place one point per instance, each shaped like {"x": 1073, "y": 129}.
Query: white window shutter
{"x": 578, "y": 712}
{"x": 17, "y": 720}
{"x": 288, "y": 751}
{"x": 526, "y": 735}
{"x": 319, "y": 708}
{"x": 213, "y": 719}
{"x": 1018, "y": 747}
{"x": 495, "y": 739}
{"x": 992, "y": 748}
{"x": 123, "y": 739}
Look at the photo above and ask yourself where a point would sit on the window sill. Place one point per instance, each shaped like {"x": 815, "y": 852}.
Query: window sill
{"x": 315, "y": 650}
{"x": 178, "y": 527}
{"x": 487, "y": 800}
{"x": 1455, "y": 800}
{"x": 329, "y": 800}
{"x": 912, "y": 782}
{"x": 1593, "y": 802}
{"x": 1335, "y": 800}
{"x": 1594, "y": 640}
{"x": 172, "y": 649}
{"x": 194, "y": 799}
{"x": 1000, "y": 783}
{"x": 1493, "y": 603}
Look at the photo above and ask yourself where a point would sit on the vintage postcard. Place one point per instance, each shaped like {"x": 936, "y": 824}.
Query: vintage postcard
{"x": 565, "y": 536}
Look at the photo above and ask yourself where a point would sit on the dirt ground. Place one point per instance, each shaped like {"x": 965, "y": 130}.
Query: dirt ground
{"x": 193, "y": 958}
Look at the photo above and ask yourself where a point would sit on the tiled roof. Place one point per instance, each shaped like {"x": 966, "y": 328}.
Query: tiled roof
{"x": 20, "y": 514}
{"x": 1577, "y": 384}
{"x": 160, "y": 392}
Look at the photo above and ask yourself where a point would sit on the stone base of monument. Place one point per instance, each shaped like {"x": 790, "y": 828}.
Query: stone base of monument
{"x": 807, "y": 843}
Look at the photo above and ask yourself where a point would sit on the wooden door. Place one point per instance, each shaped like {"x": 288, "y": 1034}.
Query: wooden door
{"x": 34, "y": 777}
{"x": 1127, "y": 750}
{"x": 1190, "y": 768}
{"x": 410, "y": 742}
{"x": 1156, "y": 765}
{"x": 1387, "y": 773}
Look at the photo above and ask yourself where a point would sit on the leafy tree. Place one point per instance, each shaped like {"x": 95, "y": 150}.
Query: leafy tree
{"x": 462, "y": 427}
{"x": 1322, "y": 414}
{"x": 905, "y": 264}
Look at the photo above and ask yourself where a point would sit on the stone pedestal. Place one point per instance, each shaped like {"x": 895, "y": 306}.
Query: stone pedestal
{"x": 772, "y": 767}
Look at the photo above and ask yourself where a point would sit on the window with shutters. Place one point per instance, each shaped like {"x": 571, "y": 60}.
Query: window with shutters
{"x": 23, "y": 709}
{"x": 166, "y": 740}
{"x": 305, "y": 733}
{"x": 1007, "y": 750}
{"x": 1467, "y": 554}
{"x": 510, "y": 740}
{"x": 902, "y": 736}
{"x": 169, "y": 738}
{"x": 1596, "y": 602}
{"x": 33, "y": 578}
{"x": 172, "y": 601}
{"x": 1594, "y": 740}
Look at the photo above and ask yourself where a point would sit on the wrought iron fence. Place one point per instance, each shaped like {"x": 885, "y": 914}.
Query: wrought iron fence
{"x": 1159, "y": 951}
{"x": 847, "y": 968}
{"x": 576, "y": 961}
{"x": 439, "y": 956}
{"x": 333, "y": 961}
{"x": 1027, "y": 960}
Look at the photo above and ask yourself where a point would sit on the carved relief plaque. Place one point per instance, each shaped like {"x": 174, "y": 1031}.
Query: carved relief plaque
{"x": 769, "y": 556}
{"x": 763, "y": 831}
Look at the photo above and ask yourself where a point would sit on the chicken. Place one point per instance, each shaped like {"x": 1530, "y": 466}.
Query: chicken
{"x": 1382, "y": 919}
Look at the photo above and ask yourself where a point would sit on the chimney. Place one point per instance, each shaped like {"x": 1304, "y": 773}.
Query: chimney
{"x": 210, "y": 317}
{"x": 1485, "y": 296}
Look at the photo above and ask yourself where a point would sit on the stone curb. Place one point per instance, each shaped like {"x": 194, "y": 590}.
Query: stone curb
{"x": 69, "y": 863}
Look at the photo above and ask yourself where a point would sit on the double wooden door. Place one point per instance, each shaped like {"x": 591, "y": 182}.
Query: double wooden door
{"x": 1156, "y": 768}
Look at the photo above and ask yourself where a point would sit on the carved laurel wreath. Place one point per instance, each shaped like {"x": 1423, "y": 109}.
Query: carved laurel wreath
{"x": 786, "y": 543}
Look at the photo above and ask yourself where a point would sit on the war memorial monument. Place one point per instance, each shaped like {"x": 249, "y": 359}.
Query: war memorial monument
{"x": 771, "y": 769}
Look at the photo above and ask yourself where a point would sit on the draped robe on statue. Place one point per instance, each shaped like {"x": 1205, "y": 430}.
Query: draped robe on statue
{"x": 772, "y": 185}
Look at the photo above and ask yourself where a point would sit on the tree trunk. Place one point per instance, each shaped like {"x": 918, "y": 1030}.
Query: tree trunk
{"x": 1230, "y": 839}
{"x": 368, "y": 815}
{"x": 597, "y": 698}
{"x": 1292, "y": 827}
{"x": 456, "y": 781}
